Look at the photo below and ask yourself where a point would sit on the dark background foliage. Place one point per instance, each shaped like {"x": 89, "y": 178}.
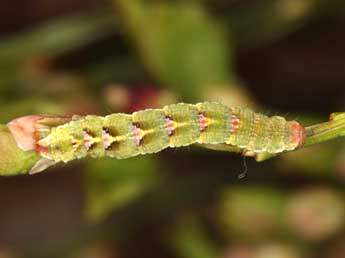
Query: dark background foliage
{"x": 79, "y": 57}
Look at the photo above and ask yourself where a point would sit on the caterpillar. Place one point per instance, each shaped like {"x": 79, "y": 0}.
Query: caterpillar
{"x": 152, "y": 130}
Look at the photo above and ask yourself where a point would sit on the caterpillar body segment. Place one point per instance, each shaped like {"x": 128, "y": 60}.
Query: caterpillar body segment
{"x": 152, "y": 130}
{"x": 186, "y": 124}
{"x": 153, "y": 133}
{"x": 217, "y": 126}
{"x": 119, "y": 137}
{"x": 260, "y": 127}
{"x": 243, "y": 122}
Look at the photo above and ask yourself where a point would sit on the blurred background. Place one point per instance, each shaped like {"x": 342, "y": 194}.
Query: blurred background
{"x": 98, "y": 57}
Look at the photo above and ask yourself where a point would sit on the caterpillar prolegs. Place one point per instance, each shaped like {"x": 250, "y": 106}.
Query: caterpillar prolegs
{"x": 151, "y": 130}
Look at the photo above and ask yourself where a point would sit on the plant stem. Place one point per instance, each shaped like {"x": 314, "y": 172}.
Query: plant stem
{"x": 326, "y": 131}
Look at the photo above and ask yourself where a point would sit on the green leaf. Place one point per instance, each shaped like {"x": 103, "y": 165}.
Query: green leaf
{"x": 111, "y": 183}
{"x": 181, "y": 45}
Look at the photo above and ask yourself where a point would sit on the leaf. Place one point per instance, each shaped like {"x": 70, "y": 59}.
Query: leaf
{"x": 181, "y": 45}
{"x": 111, "y": 183}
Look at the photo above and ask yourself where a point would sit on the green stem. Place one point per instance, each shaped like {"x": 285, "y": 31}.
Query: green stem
{"x": 326, "y": 131}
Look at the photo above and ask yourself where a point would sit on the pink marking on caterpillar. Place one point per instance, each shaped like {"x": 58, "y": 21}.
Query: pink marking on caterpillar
{"x": 87, "y": 140}
{"x": 235, "y": 123}
{"x": 203, "y": 122}
{"x": 170, "y": 126}
{"x": 106, "y": 139}
{"x": 137, "y": 135}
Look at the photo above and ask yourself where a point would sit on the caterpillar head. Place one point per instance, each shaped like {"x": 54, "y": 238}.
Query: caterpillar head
{"x": 30, "y": 132}
{"x": 25, "y": 132}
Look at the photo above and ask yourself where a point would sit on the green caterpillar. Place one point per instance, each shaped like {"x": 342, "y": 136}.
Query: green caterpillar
{"x": 149, "y": 131}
